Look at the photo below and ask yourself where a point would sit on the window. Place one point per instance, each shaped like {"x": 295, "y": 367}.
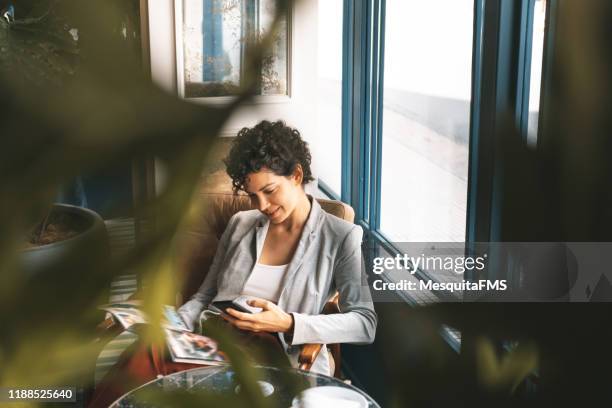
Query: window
{"x": 426, "y": 118}
{"x": 327, "y": 149}
{"x": 430, "y": 89}
{"x": 433, "y": 90}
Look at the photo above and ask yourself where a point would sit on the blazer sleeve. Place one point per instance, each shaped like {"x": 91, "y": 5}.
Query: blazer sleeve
{"x": 357, "y": 322}
{"x": 208, "y": 289}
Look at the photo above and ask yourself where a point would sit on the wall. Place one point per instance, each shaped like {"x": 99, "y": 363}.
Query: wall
{"x": 298, "y": 110}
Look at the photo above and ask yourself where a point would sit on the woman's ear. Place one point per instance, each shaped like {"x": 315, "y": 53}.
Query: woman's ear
{"x": 298, "y": 174}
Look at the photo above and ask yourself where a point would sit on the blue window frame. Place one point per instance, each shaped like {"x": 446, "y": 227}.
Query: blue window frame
{"x": 499, "y": 101}
{"x": 362, "y": 95}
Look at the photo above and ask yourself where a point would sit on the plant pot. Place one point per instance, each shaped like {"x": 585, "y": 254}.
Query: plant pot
{"x": 64, "y": 281}
{"x": 88, "y": 249}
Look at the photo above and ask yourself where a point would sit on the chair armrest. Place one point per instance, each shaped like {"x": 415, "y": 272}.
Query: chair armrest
{"x": 308, "y": 355}
{"x": 332, "y": 307}
{"x": 309, "y": 352}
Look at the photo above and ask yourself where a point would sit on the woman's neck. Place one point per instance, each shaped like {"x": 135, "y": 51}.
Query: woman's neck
{"x": 298, "y": 216}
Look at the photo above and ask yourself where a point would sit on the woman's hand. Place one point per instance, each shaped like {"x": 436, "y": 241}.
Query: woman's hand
{"x": 271, "y": 319}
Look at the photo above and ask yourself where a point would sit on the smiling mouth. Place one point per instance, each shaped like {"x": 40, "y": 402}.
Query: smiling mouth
{"x": 273, "y": 212}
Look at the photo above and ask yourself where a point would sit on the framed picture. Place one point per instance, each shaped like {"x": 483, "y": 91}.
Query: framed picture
{"x": 212, "y": 40}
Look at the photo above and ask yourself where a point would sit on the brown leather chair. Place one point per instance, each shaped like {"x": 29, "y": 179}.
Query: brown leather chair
{"x": 200, "y": 239}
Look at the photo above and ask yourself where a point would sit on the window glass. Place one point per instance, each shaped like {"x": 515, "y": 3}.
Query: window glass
{"x": 327, "y": 143}
{"x": 426, "y": 117}
{"x": 535, "y": 83}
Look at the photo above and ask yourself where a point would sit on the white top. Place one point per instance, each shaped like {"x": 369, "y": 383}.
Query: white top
{"x": 265, "y": 281}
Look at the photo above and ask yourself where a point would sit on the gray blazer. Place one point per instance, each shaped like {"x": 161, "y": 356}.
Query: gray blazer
{"x": 327, "y": 259}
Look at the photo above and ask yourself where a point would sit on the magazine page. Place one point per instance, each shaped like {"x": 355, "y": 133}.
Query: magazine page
{"x": 186, "y": 347}
{"x": 173, "y": 320}
{"x": 127, "y": 317}
{"x": 128, "y": 313}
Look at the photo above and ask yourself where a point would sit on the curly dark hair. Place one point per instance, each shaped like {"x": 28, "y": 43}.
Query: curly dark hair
{"x": 274, "y": 145}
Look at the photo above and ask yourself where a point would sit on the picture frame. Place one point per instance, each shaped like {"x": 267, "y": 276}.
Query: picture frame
{"x": 208, "y": 70}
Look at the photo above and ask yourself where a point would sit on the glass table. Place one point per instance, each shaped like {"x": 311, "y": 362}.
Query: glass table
{"x": 281, "y": 385}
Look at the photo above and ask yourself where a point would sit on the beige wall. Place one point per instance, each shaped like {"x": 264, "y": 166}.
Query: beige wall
{"x": 298, "y": 110}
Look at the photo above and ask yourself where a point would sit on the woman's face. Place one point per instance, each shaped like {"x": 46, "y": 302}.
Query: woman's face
{"x": 275, "y": 196}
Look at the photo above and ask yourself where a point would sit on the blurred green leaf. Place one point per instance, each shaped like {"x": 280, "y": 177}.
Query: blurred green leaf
{"x": 508, "y": 372}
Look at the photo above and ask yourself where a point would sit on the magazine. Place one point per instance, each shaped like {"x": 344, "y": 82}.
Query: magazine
{"x": 129, "y": 312}
{"x": 173, "y": 320}
{"x": 184, "y": 346}
{"x": 187, "y": 347}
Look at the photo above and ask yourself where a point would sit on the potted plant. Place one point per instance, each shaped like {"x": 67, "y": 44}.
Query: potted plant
{"x": 67, "y": 230}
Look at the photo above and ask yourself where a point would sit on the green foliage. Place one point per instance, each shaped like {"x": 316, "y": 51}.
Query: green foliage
{"x": 76, "y": 100}
{"x": 507, "y": 373}
{"x": 37, "y": 50}
{"x": 71, "y": 105}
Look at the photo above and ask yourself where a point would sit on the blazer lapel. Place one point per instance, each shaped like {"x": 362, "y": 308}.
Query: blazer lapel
{"x": 247, "y": 261}
{"x": 308, "y": 235}
{"x": 261, "y": 230}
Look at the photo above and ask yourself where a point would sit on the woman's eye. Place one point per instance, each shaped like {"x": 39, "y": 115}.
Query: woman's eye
{"x": 269, "y": 191}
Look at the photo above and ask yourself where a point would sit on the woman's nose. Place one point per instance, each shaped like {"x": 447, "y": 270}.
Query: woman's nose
{"x": 262, "y": 203}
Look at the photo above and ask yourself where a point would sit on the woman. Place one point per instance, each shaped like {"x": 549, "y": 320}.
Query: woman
{"x": 287, "y": 253}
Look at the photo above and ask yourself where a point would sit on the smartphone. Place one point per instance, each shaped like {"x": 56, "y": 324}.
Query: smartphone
{"x": 223, "y": 305}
